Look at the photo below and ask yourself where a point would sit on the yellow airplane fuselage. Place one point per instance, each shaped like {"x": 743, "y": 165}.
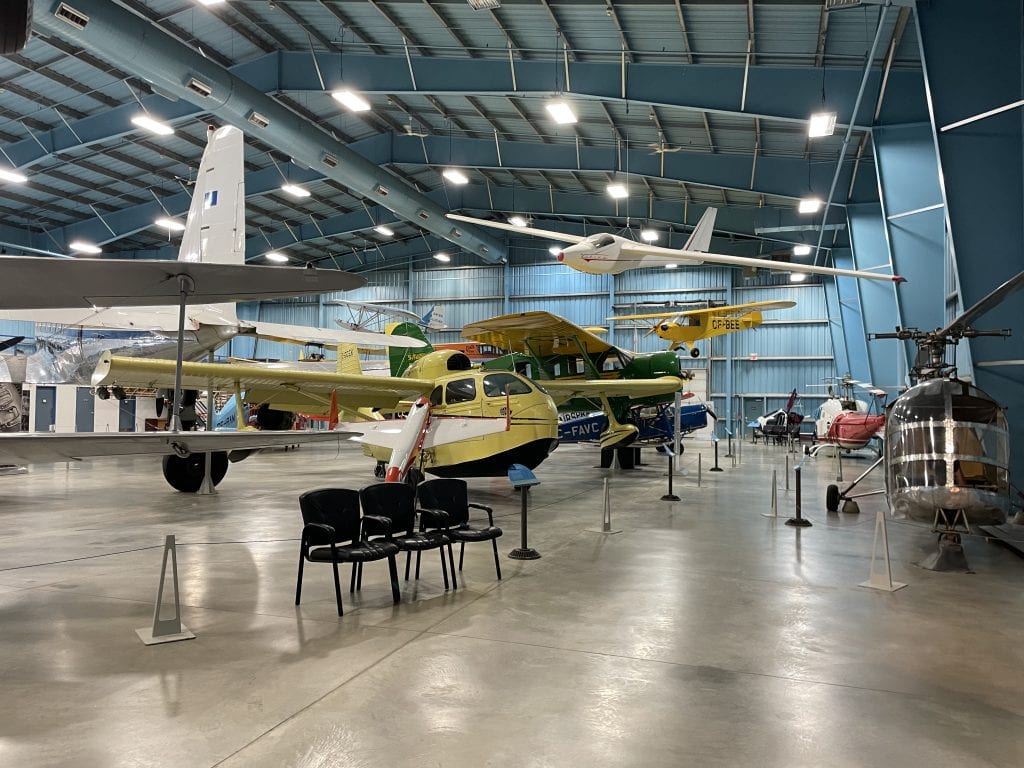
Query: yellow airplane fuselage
{"x": 682, "y": 334}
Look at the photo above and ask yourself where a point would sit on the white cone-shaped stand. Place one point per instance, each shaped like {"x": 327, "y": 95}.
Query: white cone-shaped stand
{"x": 881, "y": 579}
{"x": 166, "y": 630}
{"x": 606, "y": 521}
{"x": 775, "y": 497}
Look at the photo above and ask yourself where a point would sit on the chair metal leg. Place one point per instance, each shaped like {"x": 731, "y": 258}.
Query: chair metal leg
{"x": 298, "y": 582}
{"x": 497, "y": 565}
{"x": 418, "y": 565}
{"x": 462, "y": 553}
{"x": 337, "y": 588}
{"x": 408, "y": 560}
{"x": 444, "y": 568}
{"x": 393, "y": 570}
{"x": 359, "y": 577}
{"x": 352, "y": 581}
{"x": 451, "y": 562}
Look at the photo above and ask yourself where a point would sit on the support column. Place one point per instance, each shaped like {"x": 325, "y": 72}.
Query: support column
{"x": 972, "y": 59}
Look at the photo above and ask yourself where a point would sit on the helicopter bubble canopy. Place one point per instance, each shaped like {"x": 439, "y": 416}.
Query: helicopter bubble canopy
{"x": 947, "y": 448}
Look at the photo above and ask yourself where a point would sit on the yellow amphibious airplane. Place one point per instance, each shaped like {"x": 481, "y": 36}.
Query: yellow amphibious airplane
{"x": 685, "y": 328}
{"x": 454, "y": 389}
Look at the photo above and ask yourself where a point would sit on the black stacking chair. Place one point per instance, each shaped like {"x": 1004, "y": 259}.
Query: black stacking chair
{"x": 396, "y": 502}
{"x": 332, "y": 533}
{"x": 449, "y": 494}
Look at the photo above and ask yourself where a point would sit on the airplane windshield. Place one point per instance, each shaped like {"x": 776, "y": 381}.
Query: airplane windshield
{"x": 501, "y": 384}
{"x": 600, "y": 241}
{"x": 460, "y": 391}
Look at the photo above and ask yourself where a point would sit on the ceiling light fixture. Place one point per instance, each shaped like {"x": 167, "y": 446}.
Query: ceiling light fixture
{"x": 352, "y": 100}
{"x": 455, "y": 176}
{"x": 810, "y": 205}
{"x": 801, "y": 250}
{"x": 442, "y": 256}
{"x": 380, "y": 229}
{"x": 276, "y": 257}
{"x": 821, "y": 124}
{"x": 295, "y": 190}
{"x": 797, "y": 277}
{"x": 618, "y": 191}
{"x": 517, "y": 221}
{"x": 151, "y": 124}
{"x": 650, "y": 235}
{"x": 671, "y": 266}
{"x": 9, "y": 174}
{"x": 561, "y": 112}
{"x": 211, "y": 2}
{"x": 172, "y": 225}
{"x": 554, "y": 250}
{"x": 81, "y": 246}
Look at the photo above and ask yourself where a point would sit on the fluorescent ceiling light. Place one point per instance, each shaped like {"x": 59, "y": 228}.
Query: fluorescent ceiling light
{"x": 797, "y": 277}
{"x": 352, "y": 100}
{"x": 210, "y": 2}
{"x": 821, "y": 124}
{"x": 455, "y": 176}
{"x": 295, "y": 190}
{"x": 171, "y": 224}
{"x": 554, "y": 250}
{"x": 517, "y": 221}
{"x": 618, "y": 191}
{"x": 383, "y": 230}
{"x": 442, "y": 256}
{"x": 810, "y": 205}
{"x": 83, "y": 247}
{"x": 671, "y": 266}
{"x": 801, "y": 250}
{"x": 561, "y": 112}
{"x": 280, "y": 258}
{"x": 649, "y": 235}
{"x": 151, "y": 124}
{"x": 8, "y": 174}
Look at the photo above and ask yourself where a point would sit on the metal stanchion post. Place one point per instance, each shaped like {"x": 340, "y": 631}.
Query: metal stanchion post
{"x": 522, "y": 478}
{"x": 787, "y": 473}
{"x": 716, "y": 468}
{"x": 669, "y": 496}
{"x": 775, "y": 497}
{"x": 699, "y": 458}
{"x": 839, "y": 463}
{"x": 798, "y": 520}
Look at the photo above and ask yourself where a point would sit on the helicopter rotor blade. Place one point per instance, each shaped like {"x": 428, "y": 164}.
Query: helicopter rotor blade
{"x": 989, "y": 302}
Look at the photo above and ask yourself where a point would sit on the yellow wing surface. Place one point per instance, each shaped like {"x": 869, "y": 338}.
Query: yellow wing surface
{"x": 562, "y": 390}
{"x": 728, "y": 311}
{"x": 282, "y": 387}
{"x": 538, "y": 333}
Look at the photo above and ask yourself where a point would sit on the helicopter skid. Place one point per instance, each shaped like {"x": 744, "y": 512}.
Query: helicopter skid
{"x": 949, "y": 557}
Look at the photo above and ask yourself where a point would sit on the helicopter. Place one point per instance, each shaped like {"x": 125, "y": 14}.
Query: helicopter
{"x": 946, "y": 442}
{"x": 845, "y": 422}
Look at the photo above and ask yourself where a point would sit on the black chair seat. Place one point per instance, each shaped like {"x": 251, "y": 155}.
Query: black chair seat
{"x": 417, "y": 542}
{"x": 475, "y": 534}
{"x": 361, "y": 553}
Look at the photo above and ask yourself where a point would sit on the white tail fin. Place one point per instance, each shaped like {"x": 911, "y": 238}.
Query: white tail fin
{"x": 700, "y": 238}
{"x": 215, "y": 228}
{"x": 434, "y": 319}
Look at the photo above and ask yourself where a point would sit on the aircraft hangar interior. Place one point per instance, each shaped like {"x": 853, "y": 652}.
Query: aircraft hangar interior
{"x": 511, "y": 382}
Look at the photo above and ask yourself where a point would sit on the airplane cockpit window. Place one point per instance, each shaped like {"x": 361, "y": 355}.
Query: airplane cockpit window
{"x": 435, "y": 396}
{"x": 501, "y": 384}
{"x": 610, "y": 361}
{"x": 460, "y": 391}
{"x": 692, "y": 320}
{"x": 600, "y": 241}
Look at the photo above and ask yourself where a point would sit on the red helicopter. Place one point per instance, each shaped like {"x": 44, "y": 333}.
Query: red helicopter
{"x": 846, "y": 422}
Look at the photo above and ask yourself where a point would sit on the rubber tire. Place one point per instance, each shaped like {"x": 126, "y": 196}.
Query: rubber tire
{"x": 627, "y": 459}
{"x": 15, "y": 25}
{"x": 832, "y": 498}
{"x": 186, "y": 475}
{"x": 694, "y": 353}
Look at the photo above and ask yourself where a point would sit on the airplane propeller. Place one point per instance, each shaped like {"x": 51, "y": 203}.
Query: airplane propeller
{"x": 11, "y": 342}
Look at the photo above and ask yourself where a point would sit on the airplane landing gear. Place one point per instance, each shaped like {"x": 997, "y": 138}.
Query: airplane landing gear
{"x": 694, "y": 352}
{"x": 379, "y": 470}
{"x": 186, "y": 474}
{"x": 950, "y": 553}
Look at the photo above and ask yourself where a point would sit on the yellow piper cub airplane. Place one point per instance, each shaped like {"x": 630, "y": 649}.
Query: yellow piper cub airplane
{"x": 454, "y": 388}
{"x": 685, "y": 328}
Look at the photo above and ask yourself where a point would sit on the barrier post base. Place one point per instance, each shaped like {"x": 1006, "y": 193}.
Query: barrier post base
{"x": 528, "y": 553}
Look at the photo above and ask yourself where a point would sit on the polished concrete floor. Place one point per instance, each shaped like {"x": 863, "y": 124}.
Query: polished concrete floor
{"x": 703, "y": 634}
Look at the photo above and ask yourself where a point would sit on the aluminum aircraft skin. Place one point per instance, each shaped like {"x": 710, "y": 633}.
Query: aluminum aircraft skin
{"x": 374, "y": 317}
{"x": 684, "y": 329}
{"x": 607, "y": 254}
{"x": 580, "y": 370}
{"x": 214, "y": 235}
{"x": 483, "y": 400}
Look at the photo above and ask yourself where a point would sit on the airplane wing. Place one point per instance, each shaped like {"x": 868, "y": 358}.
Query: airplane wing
{"x": 442, "y": 430}
{"x": 733, "y": 309}
{"x": 562, "y": 390}
{"x": 33, "y": 282}
{"x": 558, "y": 237}
{"x": 281, "y": 387}
{"x": 376, "y": 309}
{"x": 47, "y": 447}
{"x": 301, "y": 334}
{"x": 540, "y": 333}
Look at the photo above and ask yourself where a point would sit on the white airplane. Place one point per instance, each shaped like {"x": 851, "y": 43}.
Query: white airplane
{"x": 607, "y": 254}
{"x": 366, "y": 316}
{"x": 214, "y": 235}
